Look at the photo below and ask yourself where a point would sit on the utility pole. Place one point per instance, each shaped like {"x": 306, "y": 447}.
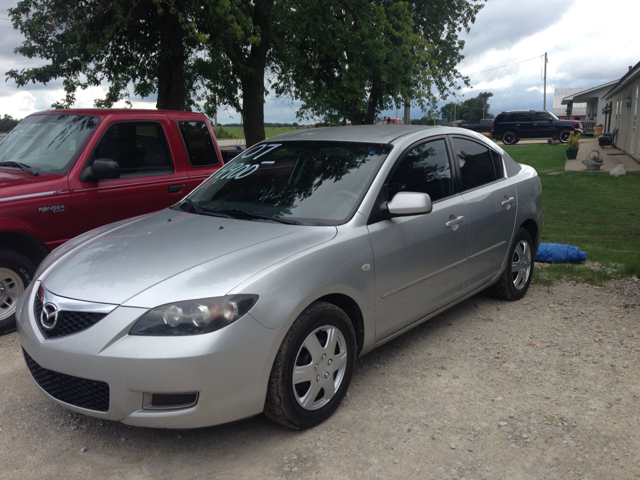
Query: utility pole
{"x": 544, "y": 98}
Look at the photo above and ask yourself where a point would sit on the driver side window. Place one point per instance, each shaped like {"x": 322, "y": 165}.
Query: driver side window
{"x": 425, "y": 169}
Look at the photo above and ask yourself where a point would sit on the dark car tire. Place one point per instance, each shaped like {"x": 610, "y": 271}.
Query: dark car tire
{"x": 563, "y": 135}
{"x": 509, "y": 138}
{"x": 518, "y": 272}
{"x": 284, "y": 403}
{"x": 16, "y": 273}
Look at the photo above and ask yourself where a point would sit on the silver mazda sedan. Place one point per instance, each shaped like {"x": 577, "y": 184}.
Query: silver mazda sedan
{"x": 258, "y": 291}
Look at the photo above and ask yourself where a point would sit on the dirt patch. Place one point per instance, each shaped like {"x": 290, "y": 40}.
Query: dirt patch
{"x": 548, "y": 387}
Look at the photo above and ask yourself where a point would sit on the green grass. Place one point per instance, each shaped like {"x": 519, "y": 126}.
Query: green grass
{"x": 237, "y": 132}
{"x": 596, "y": 212}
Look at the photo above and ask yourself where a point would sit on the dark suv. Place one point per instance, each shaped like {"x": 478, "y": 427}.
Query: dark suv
{"x": 510, "y": 127}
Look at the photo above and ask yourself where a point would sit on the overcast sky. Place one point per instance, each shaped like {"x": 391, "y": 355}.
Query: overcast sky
{"x": 588, "y": 42}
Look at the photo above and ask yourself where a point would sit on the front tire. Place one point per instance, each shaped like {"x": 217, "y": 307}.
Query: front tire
{"x": 16, "y": 273}
{"x": 313, "y": 368}
{"x": 564, "y": 136}
{"x": 516, "y": 277}
{"x": 509, "y": 138}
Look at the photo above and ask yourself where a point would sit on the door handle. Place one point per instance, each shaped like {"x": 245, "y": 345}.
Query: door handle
{"x": 175, "y": 188}
{"x": 508, "y": 202}
{"x": 454, "y": 222}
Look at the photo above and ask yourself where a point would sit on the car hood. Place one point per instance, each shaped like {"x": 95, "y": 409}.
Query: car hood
{"x": 18, "y": 182}
{"x": 128, "y": 264}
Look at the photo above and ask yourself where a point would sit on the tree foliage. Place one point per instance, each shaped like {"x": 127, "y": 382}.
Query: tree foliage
{"x": 7, "y": 123}
{"x": 346, "y": 60}
{"x": 349, "y": 59}
{"x": 471, "y": 110}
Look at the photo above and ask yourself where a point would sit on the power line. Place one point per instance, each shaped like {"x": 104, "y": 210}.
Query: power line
{"x": 504, "y": 66}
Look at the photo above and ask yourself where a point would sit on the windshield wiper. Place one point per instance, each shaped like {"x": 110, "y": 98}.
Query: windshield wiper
{"x": 21, "y": 166}
{"x": 201, "y": 211}
{"x": 235, "y": 212}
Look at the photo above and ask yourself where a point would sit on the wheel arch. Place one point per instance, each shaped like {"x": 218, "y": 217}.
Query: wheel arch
{"x": 349, "y": 306}
{"x": 27, "y": 245}
{"x": 532, "y": 227}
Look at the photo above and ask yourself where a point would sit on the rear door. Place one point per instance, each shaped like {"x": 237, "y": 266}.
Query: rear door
{"x": 491, "y": 203}
{"x": 523, "y": 122}
{"x": 200, "y": 153}
{"x": 419, "y": 260}
{"x": 149, "y": 180}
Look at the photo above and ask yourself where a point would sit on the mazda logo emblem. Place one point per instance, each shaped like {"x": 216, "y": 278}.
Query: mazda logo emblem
{"x": 49, "y": 316}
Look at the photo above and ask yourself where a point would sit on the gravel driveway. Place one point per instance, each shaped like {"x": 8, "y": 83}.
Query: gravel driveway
{"x": 547, "y": 387}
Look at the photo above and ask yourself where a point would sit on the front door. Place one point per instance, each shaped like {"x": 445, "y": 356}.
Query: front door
{"x": 419, "y": 260}
{"x": 149, "y": 179}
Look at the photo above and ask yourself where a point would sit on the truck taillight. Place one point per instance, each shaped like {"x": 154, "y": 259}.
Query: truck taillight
{"x": 492, "y": 127}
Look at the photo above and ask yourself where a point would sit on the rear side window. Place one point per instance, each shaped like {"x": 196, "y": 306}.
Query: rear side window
{"x": 541, "y": 117}
{"x": 199, "y": 144}
{"x": 424, "y": 169}
{"x": 478, "y": 164}
{"x": 139, "y": 148}
{"x": 506, "y": 117}
{"x": 523, "y": 117}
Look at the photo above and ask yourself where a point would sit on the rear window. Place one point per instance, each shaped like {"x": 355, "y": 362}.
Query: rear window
{"x": 199, "y": 144}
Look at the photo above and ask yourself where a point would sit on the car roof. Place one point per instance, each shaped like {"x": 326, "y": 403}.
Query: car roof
{"x": 362, "y": 133}
{"x": 104, "y": 112}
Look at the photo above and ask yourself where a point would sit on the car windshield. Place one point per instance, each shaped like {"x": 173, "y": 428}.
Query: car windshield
{"x": 553, "y": 115}
{"x": 47, "y": 143}
{"x": 313, "y": 183}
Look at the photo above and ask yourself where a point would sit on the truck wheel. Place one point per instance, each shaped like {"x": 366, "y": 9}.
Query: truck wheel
{"x": 564, "y": 136}
{"x": 16, "y": 273}
{"x": 509, "y": 138}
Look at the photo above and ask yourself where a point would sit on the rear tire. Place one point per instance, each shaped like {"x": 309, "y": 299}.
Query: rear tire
{"x": 509, "y": 138}
{"x": 16, "y": 273}
{"x": 516, "y": 277}
{"x": 313, "y": 368}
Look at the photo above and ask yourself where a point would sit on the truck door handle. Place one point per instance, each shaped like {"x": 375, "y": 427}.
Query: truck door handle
{"x": 175, "y": 188}
{"x": 454, "y": 222}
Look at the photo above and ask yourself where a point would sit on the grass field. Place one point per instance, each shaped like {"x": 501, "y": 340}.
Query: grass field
{"x": 236, "y": 132}
{"x": 594, "y": 211}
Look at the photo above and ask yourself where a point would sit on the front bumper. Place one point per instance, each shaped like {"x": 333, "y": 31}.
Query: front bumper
{"x": 228, "y": 369}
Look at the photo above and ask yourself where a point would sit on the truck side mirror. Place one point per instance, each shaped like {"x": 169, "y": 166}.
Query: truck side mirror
{"x": 409, "y": 203}
{"x": 102, "y": 169}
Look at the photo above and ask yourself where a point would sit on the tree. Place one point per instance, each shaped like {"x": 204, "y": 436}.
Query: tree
{"x": 7, "y": 123}
{"x": 469, "y": 111}
{"x": 86, "y": 43}
{"x": 348, "y": 60}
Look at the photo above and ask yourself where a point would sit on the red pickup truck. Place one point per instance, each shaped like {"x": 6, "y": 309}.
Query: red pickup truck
{"x": 64, "y": 172}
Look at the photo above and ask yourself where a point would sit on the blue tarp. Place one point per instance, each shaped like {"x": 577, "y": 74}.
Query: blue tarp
{"x": 556, "y": 252}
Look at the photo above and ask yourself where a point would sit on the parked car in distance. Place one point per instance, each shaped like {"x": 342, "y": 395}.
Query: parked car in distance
{"x": 483, "y": 127}
{"x": 390, "y": 121}
{"x": 510, "y": 127}
{"x": 258, "y": 290}
{"x": 64, "y": 172}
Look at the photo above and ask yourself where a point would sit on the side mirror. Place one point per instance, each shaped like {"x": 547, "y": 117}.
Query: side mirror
{"x": 102, "y": 169}
{"x": 409, "y": 203}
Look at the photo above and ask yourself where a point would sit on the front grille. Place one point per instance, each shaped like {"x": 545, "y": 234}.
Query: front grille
{"x": 68, "y": 322}
{"x": 89, "y": 394}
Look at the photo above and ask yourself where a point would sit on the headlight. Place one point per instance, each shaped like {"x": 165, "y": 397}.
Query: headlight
{"x": 194, "y": 317}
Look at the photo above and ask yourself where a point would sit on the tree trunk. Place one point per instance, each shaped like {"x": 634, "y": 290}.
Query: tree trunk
{"x": 251, "y": 75}
{"x": 253, "y": 107}
{"x": 171, "y": 95}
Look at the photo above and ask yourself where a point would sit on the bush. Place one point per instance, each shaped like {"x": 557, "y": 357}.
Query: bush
{"x": 573, "y": 142}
